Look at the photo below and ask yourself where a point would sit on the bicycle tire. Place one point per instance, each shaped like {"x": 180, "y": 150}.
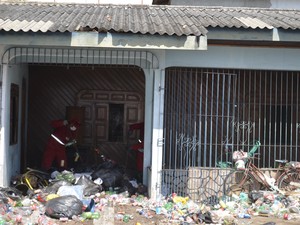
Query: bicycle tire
{"x": 238, "y": 181}
{"x": 285, "y": 179}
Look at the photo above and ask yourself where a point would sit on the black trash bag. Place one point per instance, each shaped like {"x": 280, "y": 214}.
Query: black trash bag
{"x": 255, "y": 195}
{"x": 127, "y": 186}
{"x": 11, "y": 192}
{"x": 64, "y": 206}
{"x": 106, "y": 165}
{"x": 89, "y": 187}
{"x": 212, "y": 200}
{"x": 55, "y": 185}
{"x": 204, "y": 217}
{"x": 110, "y": 177}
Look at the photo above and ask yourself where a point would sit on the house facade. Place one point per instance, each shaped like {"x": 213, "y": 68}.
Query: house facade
{"x": 202, "y": 79}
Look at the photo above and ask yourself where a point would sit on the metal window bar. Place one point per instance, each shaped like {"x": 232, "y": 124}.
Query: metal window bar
{"x": 84, "y": 57}
{"x": 209, "y": 110}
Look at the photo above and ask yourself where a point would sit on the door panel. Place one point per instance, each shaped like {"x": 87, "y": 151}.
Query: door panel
{"x": 101, "y": 122}
{"x": 98, "y": 114}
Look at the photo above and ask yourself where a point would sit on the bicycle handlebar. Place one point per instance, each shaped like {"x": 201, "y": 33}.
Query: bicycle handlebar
{"x": 254, "y": 148}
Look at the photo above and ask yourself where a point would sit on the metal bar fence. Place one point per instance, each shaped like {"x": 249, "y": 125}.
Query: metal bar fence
{"x": 209, "y": 113}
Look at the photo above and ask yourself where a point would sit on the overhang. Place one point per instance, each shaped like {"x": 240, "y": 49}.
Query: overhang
{"x": 104, "y": 40}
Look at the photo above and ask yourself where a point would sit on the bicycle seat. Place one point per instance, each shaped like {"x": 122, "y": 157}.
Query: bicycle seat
{"x": 281, "y": 161}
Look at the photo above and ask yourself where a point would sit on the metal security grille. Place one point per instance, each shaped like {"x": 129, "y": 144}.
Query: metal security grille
{"x": 211, "y": 112}
{"x": 80, "y": 56}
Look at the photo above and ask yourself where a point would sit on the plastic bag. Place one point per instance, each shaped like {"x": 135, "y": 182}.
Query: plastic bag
{"x": 110, "y": 177}
{"x": 76, "y": 190}
{"x": 11, "y": 192}
{"x": 66, "y": 175}
{"x": 294, "y": 164}
{"x": 54, "y": 186}
{"x": 89, "y": 187}
{"x": 64, "y": 206}
{"x": 239, "y": 155}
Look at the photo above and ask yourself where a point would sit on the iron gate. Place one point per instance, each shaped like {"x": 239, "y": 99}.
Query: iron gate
{"x": 211, "y": 112}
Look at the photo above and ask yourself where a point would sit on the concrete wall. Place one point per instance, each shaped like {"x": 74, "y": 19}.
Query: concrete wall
{"x": 237, "y": 57}
{"x": 214, "y": 57}
{"x": 10, "y": 154}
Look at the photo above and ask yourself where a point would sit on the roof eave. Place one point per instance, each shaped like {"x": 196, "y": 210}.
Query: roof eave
{"x": 242, "y": 34}
{"x": 104, "y": 40}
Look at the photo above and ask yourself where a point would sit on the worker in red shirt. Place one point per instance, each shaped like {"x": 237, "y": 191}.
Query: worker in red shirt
{"x": 64, "y": 135}
{"x": 138, "y": 147}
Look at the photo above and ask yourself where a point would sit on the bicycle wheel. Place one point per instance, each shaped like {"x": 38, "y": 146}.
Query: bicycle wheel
{"x": 238, "y": 181}
{"x": 285, "y": 180}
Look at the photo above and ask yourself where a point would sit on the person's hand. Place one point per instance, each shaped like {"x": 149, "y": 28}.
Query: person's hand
{"x": 71, "y": 143}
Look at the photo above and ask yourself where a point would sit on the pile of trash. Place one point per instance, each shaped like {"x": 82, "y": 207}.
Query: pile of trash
{"x": 82, "y": 200}
{"x": 67, "y": 196}
{"x": 81, "y": 197}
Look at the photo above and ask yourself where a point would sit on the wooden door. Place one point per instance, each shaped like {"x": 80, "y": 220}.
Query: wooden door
{"x": 108, "y": 115}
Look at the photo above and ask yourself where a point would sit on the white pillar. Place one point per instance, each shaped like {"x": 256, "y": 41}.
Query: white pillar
{"x": 157, "y": 133}
{"x": 149, "y": 79}
{"x": 4, "y": 124}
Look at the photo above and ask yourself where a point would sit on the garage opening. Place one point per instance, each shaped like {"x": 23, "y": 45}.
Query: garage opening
{"x": 104, "y": 89}
{"x": 106, "y": 101}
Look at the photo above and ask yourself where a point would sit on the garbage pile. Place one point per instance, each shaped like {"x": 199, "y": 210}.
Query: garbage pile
{"x": 79, "y": 197}
{"x": 68, "y": 196}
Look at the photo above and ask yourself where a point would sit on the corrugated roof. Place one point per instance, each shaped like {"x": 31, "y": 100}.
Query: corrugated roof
{"x": 169, "y": 20}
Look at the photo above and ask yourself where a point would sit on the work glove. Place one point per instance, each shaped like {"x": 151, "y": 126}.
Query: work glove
{"x": 73, "y": 142}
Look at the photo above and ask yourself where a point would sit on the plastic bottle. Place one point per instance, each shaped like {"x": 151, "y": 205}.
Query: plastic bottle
{"x": 168, "y": 206}
{"x": 119, "y": 217}
{"x": 91, "y": 215}
{"x": 2, "y": 221}
{"x": 95, "y": 215}
{"x": 244, "y": 216}
{"x": 126, "y": 218}
{"x": 87, "y": 215}
{"x": 243, "y": 197}
{"x": 222, "y": 204}
{"x": 158, "y": 210}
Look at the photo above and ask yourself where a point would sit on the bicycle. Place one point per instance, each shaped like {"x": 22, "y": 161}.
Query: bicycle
{"x": 34, "y": 179}
{"x": 252, "y": 178}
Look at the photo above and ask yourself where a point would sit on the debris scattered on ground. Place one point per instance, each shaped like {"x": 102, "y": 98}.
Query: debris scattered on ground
{"x": 79, "y": 198}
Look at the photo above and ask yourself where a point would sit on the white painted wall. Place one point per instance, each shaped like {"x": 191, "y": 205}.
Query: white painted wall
{"x": 10, "y": 154}
{"x": 237, "y": 57}
{"x": 287, "y": 4}
{"x": 214, "y": 57}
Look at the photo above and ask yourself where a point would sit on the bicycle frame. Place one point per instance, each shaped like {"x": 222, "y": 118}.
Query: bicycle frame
{"x": 254, "y": 172}
{"x": 250, "y": 177}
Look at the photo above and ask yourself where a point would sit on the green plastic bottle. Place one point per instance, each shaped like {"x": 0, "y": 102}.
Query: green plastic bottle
{"x": 126, "y": 218}
{"x": 95, "y": 215}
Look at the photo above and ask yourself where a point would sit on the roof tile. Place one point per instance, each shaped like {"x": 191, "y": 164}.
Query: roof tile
{"x": 171, "y": 20}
